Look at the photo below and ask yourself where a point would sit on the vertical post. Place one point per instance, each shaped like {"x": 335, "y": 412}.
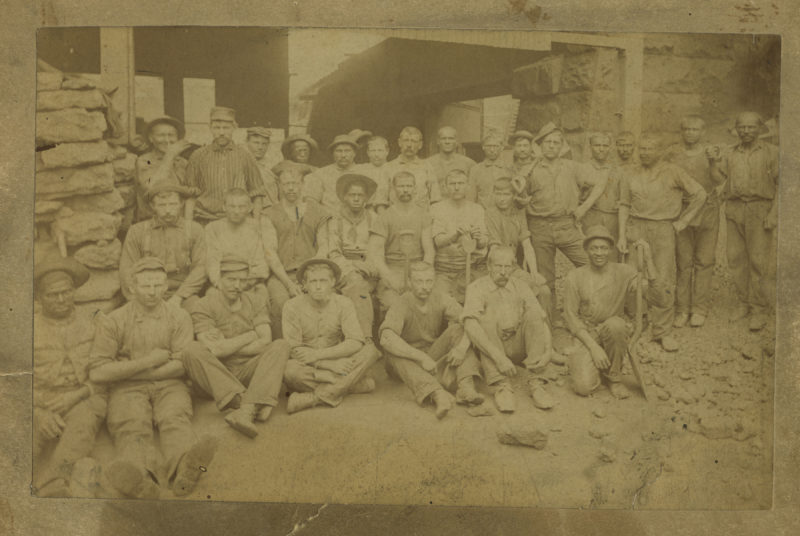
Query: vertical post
{"x": 117, "y": 70}
{"x": 633, "y": 61}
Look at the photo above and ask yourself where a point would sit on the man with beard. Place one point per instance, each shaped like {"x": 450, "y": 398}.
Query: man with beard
{"x": 448, "y": 159}
{"x": 321, "y": 184}
{"x": 603, "y": 209}
{"x": 399, "y": 236}
{"x": 426, "y": 345}
{"x": 651, "y": 209}
{"x": 220, "y": 166}
{"x": 696, "y": 245}
{"x": 595, "y": 299}
{"x": 507, "y": 326}
{"x": 68, "y": 409}
{"x": 178, "y": 242}
{"x": 328, "y": 356}
{"x": 751, "y": 209}
{"x": 483, "y": 175}
{"x": 258, "y": 144}
{"x": 427, "y": 189}
{"x": 235, "y": 349}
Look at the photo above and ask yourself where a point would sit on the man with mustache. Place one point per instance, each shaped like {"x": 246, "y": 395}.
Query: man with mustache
{"x": 427, "y": 190}
{"x": 448, "y": 158}
{"x": 321, "y": 184}
{"x": 257, "y": 143}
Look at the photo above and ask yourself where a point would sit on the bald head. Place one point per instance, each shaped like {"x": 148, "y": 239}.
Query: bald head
{"x": 447, "y": 140}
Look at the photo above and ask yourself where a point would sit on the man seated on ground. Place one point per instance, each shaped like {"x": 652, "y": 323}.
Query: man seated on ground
{"x": 328, "y": 356}
{"x": 377, "y": 170}
{"x": 507, "y": 226}
{"x": 346, "y": 242}
{"x": 242, "y": 235}
{"x": 299, "y": 224}
{"x": 179, "y": 244}
{"x": 235, "y": 349}
{"x": 455, "y": 220}
{"x": 429, "y": 356}
{"x": 595, "y": 299}
{"x": 507, "y": 326}
{"x": 400, "y": 235}
{"x": 137, "y": 353}
{"x": 67, "y": 408}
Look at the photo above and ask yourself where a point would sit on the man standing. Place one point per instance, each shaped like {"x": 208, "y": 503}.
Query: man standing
{"x": 346, "y": 242}
{"x": 220, "y": 166}
{"x": 258, "y": 145}
{"x": 448, "y": 159}
{"x": 595, "y": 298}
{"x": 625, "y": 144}
{"x": 504, "y": 321}
{"x": 177, "y": 241}
{"x": 299, "y": 224}
{"x": 235, "y": 349}
{"x": 162, "y": 162}
{"x": 68, "y": 409}
{"x": 696, "y": 245}
{"x": 430, "y": 357}
{"x": 297, "y": 150}
{"x": 604, "y": 209}
{"x": 483, "y": 175}
{"x": 651, "y": 209}
{"x": 377, "y": 170}
{"x": 455, "y": 220}
{"x": 427, "y": 190}
{"x": 751, "y": 209}
{"x": 399, "y": 236}
{"x": 522, "y": 143}
{"x": 137, "y": 353}
{"x": 321, "y": 184}
{"x": 328, "y": 356}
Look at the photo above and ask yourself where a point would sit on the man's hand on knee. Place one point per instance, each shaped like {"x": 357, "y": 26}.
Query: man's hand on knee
{"x": 599, "y": 357}
{"x": 505, "y": 366}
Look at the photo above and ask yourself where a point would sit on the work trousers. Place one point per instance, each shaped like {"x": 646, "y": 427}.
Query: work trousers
{"x": 300, "y": 377}
{"x": 421, "y": 382}
{"x": 256, "y": 378}
{"x": 135, "y": 406}
{"x": 537, "y": 284}
{"x": 77, "y": 439}
{"x": 695, "y": 247}
{"x": 359, "y": 289}
{"x": 278, "y": 296}
{"x": 549, "y": 235}
{"x": 612, "y": 335}
{"x": 660, "y": 235}
{"x": 751, "y": 253}
{"x": 454, "y": 284}
{"x": 609, "y": 220}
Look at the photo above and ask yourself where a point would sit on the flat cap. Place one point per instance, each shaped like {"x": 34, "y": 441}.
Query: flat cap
{"x": 287, "y": 143}
{"x": 221, "y": 113}
{"x": 343, "y": 138}
{"x": 259, "y": 131}
{"x": 165, "y": 185}
{"x": 147, "y": 263}
{"x": 549, "y": 128}
{"x": 345, "y": 181}
{"x": 597, "y": 231}
{"x": 166, "y": 120}
{"x": 233, "y": 263}
{"x": 301, "y": 272}
{"x": 56, "y": 263}
{"x": 524, "y": 134}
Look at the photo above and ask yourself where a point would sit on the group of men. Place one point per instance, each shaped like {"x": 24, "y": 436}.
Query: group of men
{"x": 244, "y": 277}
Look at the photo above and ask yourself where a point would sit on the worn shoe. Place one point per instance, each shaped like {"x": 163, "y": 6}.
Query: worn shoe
{"x": 131, "y": 481}
{"x": 194, "y": 463}
{"x": 757, "y": 322}
{"x": 300, "y": 401}
{"x": 263, "y": 413}
{"x": 466, "y": 393}
{"x": 668, "y": 343}
{"x": 680, "y": 320}
{"x": 739, "y": 312}
{"x": 363, "y": 386}
{"x": 697, "y": 320}
{"x": 541, "y": 397}
{"x": 504, "y": 399}
{"x": 443, "y": 402}
{"x": 619, "y": 391}
{"x": 557, "y": 359}
{"x": 241, "y": 420}
{"x": 58, "y": 487}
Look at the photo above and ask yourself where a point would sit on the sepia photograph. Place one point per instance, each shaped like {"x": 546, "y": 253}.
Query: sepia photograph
{"x": 405, "y": 266}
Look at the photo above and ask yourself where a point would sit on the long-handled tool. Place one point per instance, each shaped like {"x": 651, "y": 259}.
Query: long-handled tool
{"x": 468, "y": 244}
{"x": 633, "y": 355}
{"x": 407, "y": 247}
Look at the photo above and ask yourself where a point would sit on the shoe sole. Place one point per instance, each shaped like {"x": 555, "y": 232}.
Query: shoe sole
{"x": 242, "y": 428}
{"x": 194, "y": 463}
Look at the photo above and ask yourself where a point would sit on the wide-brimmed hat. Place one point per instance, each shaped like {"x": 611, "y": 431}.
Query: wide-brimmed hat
{"x": 287, "y": 143}
{"x": 56, "y": 263}
{"x": 343, "y": 138}
{"x": 348, "y": 179}
{"x": 357, "y": 134}
{"x": 549, "y": 128}
{"x": 222, "y": 113}
{"x": 597, "y": 231}
{"x": 301, "y": 272}
{"x": 165, "y": 186}
{"x": 524, "y": 134}
{"x": 165, "y": 120}
{"x": 264, "y": 132}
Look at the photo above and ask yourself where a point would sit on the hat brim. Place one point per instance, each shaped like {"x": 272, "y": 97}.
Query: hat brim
{"x": 301, "y": 272}
{"x": 180, "y": 127}
{"x": 178, "y": 189}
{"x": 514, "y": 137}
{"x": 287, "y": 143}
{"x": 77, "y": 272}
{"x": 588, "y": 239}
{"x": 351, "y": 143}
{"x": 542, "y": 135}
{"x": 347, "y": 180}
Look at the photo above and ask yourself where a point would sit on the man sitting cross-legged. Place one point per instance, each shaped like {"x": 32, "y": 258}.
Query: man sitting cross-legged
{"x": 423, "y": 351}
{"x": 328, "y": 356}
{"x": 234, "y": 348}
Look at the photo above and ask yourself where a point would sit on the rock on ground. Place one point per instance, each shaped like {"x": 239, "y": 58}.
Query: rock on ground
{"x": 101, "y": 286}
{"x": 522, "y": 434}
{"x": 83, "y": 227}
{"x": 102, "y": 255}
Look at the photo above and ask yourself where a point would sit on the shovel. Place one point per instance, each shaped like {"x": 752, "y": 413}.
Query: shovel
{"x": 468, "y": 244}
{"x": 633, "y": 355}
{"x": 407, "y": 247}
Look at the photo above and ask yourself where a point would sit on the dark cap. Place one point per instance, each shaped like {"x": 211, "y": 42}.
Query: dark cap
{"x": 357, "y": 134}
{"x": 348, "y": 179}
{"x": 222, "y": 113}
{"x": 147, "y": 263}
{"x": 524, "y": 134}
{"x": 165, "y": 120}
{"x": 343, "y": 138}
{"x": 301, "y": 272}
{"x": 55, "y": 263}
{"x": 165, "y": 186}
{"x": 549, "y": 128}
{"x": 259, "y": 131}
{"x": 597, "y": 231}
{"x": 287, "y": 143}
{"x": 232, "y": 263}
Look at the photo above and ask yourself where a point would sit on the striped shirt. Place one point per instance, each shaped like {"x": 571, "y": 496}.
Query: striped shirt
{"x": 214, "y": 170}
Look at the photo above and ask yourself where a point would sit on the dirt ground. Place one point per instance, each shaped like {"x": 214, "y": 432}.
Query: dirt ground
{"x": 702, "y": 441}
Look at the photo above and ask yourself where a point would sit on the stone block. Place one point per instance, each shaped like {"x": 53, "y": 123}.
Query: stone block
{"x": 66, "y": 182}
{"x": 606, "y": 111}
{"x": 671, "y": 74}
{"x": 76, "y": 82}
{"x": 537, "y": 79}
{"x": 575, "y": 109}
{"x": 70, "y": 98}
{"x": 723, "y": 46}
{"x": 72, "y": 124}
{"x": 107, "y": 202}
{"x": 102, "y": 285}
{"x": 125, "y": 168}
{"x": 661, "y": 112}
{"x": 578, "y": 71}
{"x": 45, "y": 211}
{"x": 535, "y": 113}
{"x": 47, "y": 81}
{"x": 76, "y": 154}
{"x": 80, "y": 227}
{"x": 608, "y": 74}
{"x": 128, "y": 193}
{"x": 102, "y": 255}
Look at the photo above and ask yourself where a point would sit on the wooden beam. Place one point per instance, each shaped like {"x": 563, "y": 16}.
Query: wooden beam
{"x": 117, "y": 70}
{"x": 633, "y": 84}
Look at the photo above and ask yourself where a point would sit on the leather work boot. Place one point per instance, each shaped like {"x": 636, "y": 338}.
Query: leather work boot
{"x": 697, "y": 320}
{"x": 680, "y": 320}
{"x": 466, "y": 393}
{"x": 668, "y": 343}
{"x": 300, "y": 401}
{"x": 541, "y": 397}
{"x": 193, "y": 463}
{"x": 363, "y": 386}
{"x": 241, "y": 420}
{"x": 504, "y": 398}
{"x": 619, "y": 391}
{"x": 131, "y": 481}
{"x": 263, "y": 413}
{"x": 443, "y": 402}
